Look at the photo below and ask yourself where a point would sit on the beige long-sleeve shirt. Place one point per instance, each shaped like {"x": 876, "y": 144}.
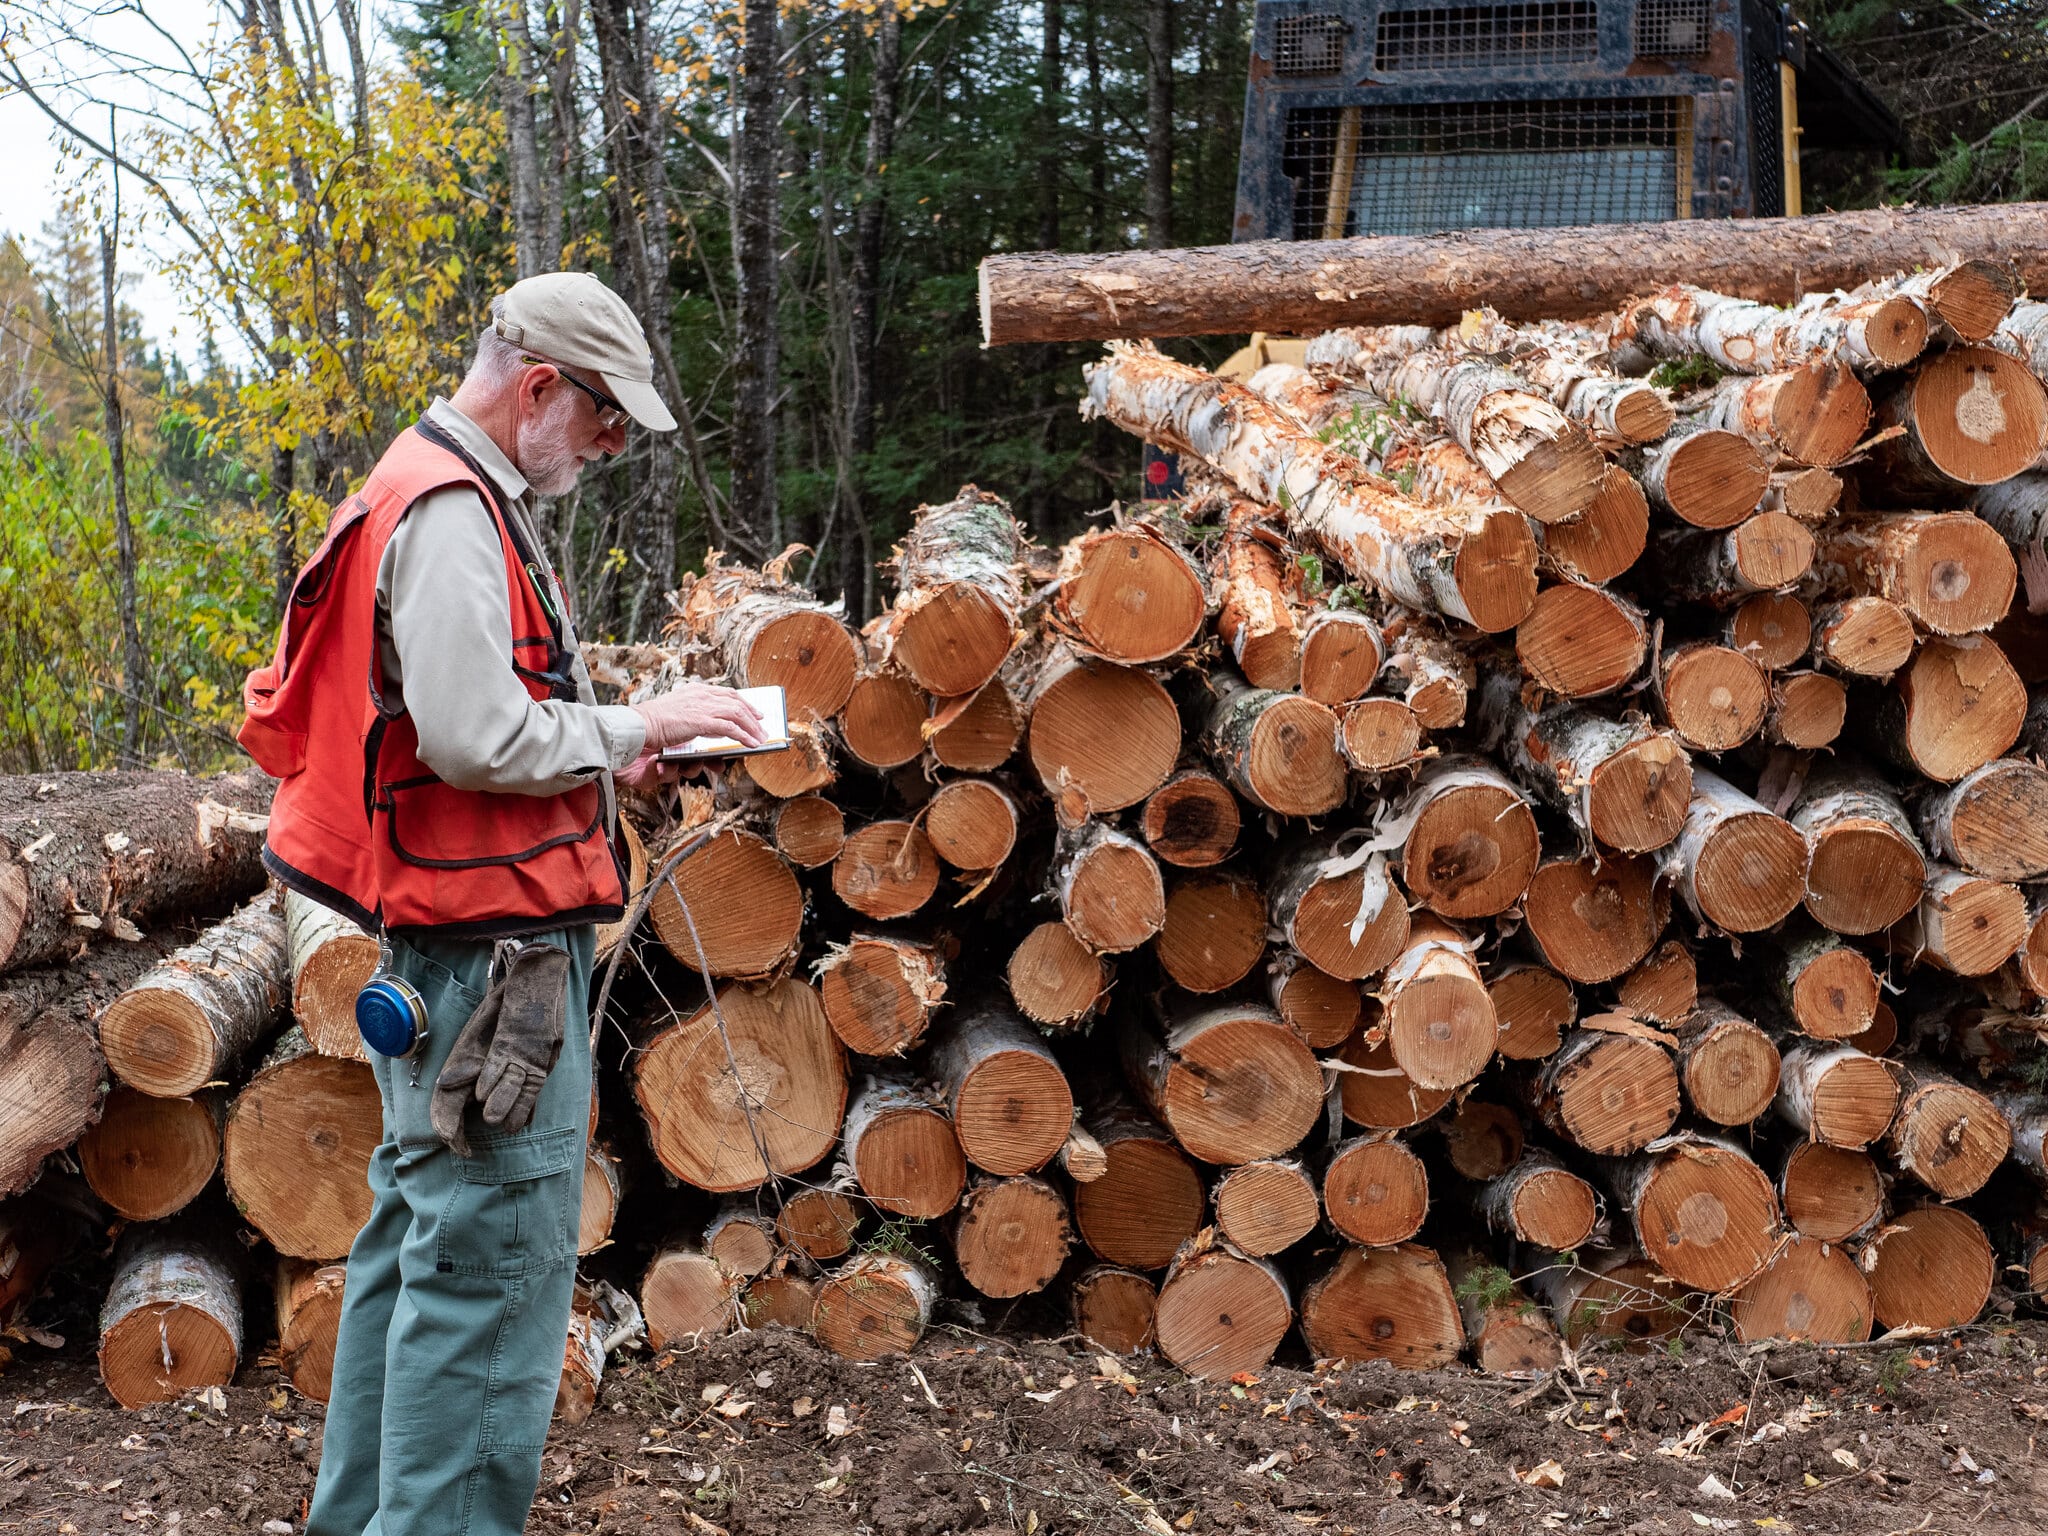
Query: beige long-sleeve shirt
{"x": 444, "y": 634}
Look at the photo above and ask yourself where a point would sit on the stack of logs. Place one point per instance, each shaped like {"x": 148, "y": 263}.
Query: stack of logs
{"x": 1540, "y": 845}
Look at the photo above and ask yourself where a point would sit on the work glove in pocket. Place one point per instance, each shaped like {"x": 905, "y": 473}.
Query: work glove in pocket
{"x": 507, "y": 1048}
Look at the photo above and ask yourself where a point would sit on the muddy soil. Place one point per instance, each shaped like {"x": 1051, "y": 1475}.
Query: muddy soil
{"x": 768, "y": 1433}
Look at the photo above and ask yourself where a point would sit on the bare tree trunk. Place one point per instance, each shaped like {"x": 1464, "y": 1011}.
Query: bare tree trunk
{"x": 1051, "y": 86}
{"x": 358, "y": 69}
{"x": 757, "y": 348}
{"x": 1098, "y": 155}
{"x": 1159, "y": 124}
{"x": 562, "y": 21}
{"x": 515, "y": 96}
{"x": 134, "y": 665}
{"x": 284, "y": 531}
{"x": 867, "y": 278}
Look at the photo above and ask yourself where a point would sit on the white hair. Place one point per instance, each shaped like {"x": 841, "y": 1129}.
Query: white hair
{"x": 497, "y": 362}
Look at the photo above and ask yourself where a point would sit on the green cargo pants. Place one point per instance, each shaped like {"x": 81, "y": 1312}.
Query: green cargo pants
{"x": 457, "y": 1304}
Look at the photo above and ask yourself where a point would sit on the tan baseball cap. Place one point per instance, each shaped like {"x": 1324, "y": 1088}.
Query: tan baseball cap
{"x": 571, "y": 317}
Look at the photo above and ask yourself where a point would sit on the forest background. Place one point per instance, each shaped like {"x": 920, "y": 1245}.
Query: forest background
{"x": 794, "y": 201}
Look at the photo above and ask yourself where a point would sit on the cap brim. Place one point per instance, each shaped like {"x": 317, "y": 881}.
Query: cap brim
{"x": 640, "y": 401}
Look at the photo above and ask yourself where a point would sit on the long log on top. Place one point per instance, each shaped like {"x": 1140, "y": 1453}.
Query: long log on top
{"x": 1522, "y": 274}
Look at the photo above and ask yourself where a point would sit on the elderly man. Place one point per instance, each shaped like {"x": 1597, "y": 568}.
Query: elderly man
{"x": 447, "y": 782}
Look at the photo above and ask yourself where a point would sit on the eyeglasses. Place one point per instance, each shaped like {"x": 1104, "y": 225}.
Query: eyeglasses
{"x": 610, "y": 413}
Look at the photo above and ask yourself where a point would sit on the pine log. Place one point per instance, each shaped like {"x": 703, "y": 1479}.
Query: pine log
{"x": 1610, "y": 1093}
{"x": 809, "y": 831}
{"x": 1664, "y": 988}
{"x": 1342, "y": 652}
{"x": 1830, "y": 1193}
{"x": 1322, "y": 1009}
{"x": 1215, "y": 930}
{"x": 1392, "y": 1304}
{"x": 1375, "y": 1190}
{"x": 785, "y": 1297}
{"x": 1993, "y": 821}
{"x": 89, "y": 856}
{"x": 1506, "y": 1332}
{"x": 817, "y": 1221}
{"x": 1377, "y": 1094}
{"x": 1336, "y": 906}
{"x": 1963, "y": 923}
{"x": 1379, "y": 735}
{"x": 1705, "y": 1212}
{"x": 1255, "y": 608}
{"x": 1482, "y": 1140}
{"x": 1266, "y": 1206}
{"x": 1110, "y": 892}
{"x": 1131, "y": 593}
{"x": 172, "y": 1318}
{"x": 1596, "y": 918}
{"x": 1739, "y": 867}
{"x": 1007, "y": 1096}
{"x": 900, "y": 1145}
{"x": 1472, "y": 842}
{"x": 1810, "y": 1291}
{"x": 1865, "y": 867}
{"x": 1543, "y": 462}
{"x": 1479, "y": 568}
{"x": 1055, "y": 980}
{"x": 308, "y": 1297}
{"x": 1069, "y": 703}
{"x": 1774, "y": 630}
{"x": 959, "y": 588}
{"x": 1191, "y": 820}
{"x": 741, "y": 1237}
{"x": 883, "y": 722}
{"x": 1825, "y": 987}
{"x": 759, "y": 1062}
{"x": 1540, "y": 1201}
{"x": 1440, "y": 1025}
{"x": 887, "y": 869}
{"x": 1011, "y": 1236}
{"x": 1972, "y": 416}
{"x": 1279, "y": 750}
{"x": 603, "y": 1188}
{"x": 1807, "y": 711}
{"x": 1835, "y": 1094}
{"x": 1606, "y": 539}
{"x": 1712, "y": 697}
{"x": 878, "y": 1304}
{"x": 1863, "y": 637}
{"x": 1148, "y": 1201}
{"x": 1930, "y": 1267}
{"x": 188, "y": 1021}
{"x": 736, "y": 897}
{"x": 972, "y": 823}
{"x": 1221, "y": 1313}
{"x": 1113, "y": 1308}
{"x": 1728, "y": 1066}
{"x": 295, "y": 1151}
{"x": 52, "y": 1076}
{"x": 687, "y": 1297}
{"x": 1949, "y": 1137}
{"x": 766, "y": 631}
{"x": 1435, "y": 674}
{"x": 980, "y": 734}
{"x": 1534, "y": 1007}
{"x": 1702, "y": 475}
{"x": 331, "y": 958}
{"x": 880, "y": 992}
{"x": 1869, "y": 330}
{"x": 1231, "y": 1082}
{"x": 149, "y": 1157}
{"x": 1299, "y": 287}
{"x": 1725, "y": 567}
{"x": 1581, "y": 642}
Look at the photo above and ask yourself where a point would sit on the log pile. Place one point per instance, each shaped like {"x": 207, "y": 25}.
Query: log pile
{"x": 1543, "y": 844}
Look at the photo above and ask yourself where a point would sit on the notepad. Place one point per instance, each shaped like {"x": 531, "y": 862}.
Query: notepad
{"x": 768, "y": 704}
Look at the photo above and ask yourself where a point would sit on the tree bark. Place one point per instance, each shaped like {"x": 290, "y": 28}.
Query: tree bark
{"x": 757, "y": 232}
{"x": 330, "y": 959}
{"x": 172, "y": 1319}
{"x": 134, "y": 661}
{"x": 959, "y": 589}
{"x": 531, "y": 252}
{"x": 864, "y": 309}
{"x": 1158, "y": 124}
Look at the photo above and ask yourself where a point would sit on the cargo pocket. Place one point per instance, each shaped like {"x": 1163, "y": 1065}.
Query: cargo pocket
{"x": 515, "y": 1205}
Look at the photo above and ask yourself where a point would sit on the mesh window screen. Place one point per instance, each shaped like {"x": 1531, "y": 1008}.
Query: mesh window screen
{"x": 1671, "y": 29}
{"x": 1498, "y": 165}
{"x": 1308, "y": 44}
{"x": 1526, "y": 35}
{"x": 1766, "y": 121}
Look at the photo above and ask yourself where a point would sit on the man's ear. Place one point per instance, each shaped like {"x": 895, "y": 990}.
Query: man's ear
{"x": 533, "y": 379}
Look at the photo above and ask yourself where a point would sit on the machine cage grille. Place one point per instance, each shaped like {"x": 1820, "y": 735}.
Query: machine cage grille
{"x": 1309, "y": 43}
{"x": 1672, "y": 29}
{"x": 1529, "y": 34}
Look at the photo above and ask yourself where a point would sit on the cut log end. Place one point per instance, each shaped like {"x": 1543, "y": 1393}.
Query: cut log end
{"x": 1322, "y": 926}
{"x": 1715, "y": 698}
{"x": 1375, "y": 1191}
{"x": 1242, "y": 1086}
{"x": 1323, "y": 1009}
{"x": 308, "y": 1319}
{"x": 1979, "y": 415}
{"x": 1214, "y": 933}
{"x": 887, "y": 869}
{"x": 1534, "y": 1006}
{"x": 1580, "y": 642}
{"x": 809, "y": 831}
{"x": 1949, "y": 1137}
{"x": 1379, "y": 735}
{"x": 172, "y": 1320}
{"x": 1110, "y": 768}
{"x": 1191, "y": 820}
{"x": 908, "y": 1161}
{"x": 1636, "y": 799}
{"x": 1147, "y": 1203}
{"x": 1382, "y": 1096}
{"x": 1471, "y": 851}
{"x": 1996, "y": 822}
{"x": 811, "y": 656}
{"x": 1220, "y": 1315}
{"x": 1114, "y": 1308}
{"x": 1134, "y": 598}
{"x": 1266, "y": 1206}
{"x": 744, "y": 900}
{"x": 1341, "y": 654}
{"x": 1595, "y": 919}
{"x": 1495, "y": 572}
{"x": 296, "y": 1152}
{"x": 1808, "y": 711}
{"x": 879, "y": 994}
{"x": 1853, "y": 1101}
{"x": 1934, "y": 1269}
{"x": 1291, "y": 764}
{"x": 1820, "y": 413}
{"x": 686, "y": 1296}
{"x": 784, "y": 1300}
{"x": 1012, "y": 1110}
{"x": 1751, "y": 871}
{"x": 1392, "y": 1304}
{"x": 1730, "y": 1072}
{"x": 1831, "y": 1193}
{"x": 981, "y": 735}
{"x": 1553, "y": 1208}
{"x": 1774, "y": 629}
{"x": 1863, "y": 875}
{"x": 883, "y": 723}
{"x": 148, "y": 1157}
{"x": 1620, "y": 1095}
{"x": 1011, "y": 1236}
{"x": 954, "y": 640}
{"x": 972, "y": 824}
{"x": 1056, "y": 980}
{"x": 1714, "y": 479}
{"x": 1483, "y": 1140}
{"x": 822, "y": 1223}
{"x": 1610, "y": 535}
{"x": 1112, "y": 897}
{"x": 1810, "y": 1290}
{"x": 1707, "y": 1215}
{"x": 1964, "y": 706}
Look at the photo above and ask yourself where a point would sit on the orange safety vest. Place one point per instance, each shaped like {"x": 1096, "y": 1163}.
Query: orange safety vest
{"x": 359, "y": 823}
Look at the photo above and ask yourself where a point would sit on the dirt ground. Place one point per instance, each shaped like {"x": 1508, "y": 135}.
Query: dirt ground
{"x": 767, "y": 1432}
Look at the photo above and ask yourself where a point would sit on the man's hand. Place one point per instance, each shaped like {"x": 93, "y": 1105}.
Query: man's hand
{"x": 698, "y": 709}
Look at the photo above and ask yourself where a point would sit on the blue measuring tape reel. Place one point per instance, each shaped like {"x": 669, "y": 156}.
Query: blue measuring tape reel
{"x": 391, "y": 1016}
